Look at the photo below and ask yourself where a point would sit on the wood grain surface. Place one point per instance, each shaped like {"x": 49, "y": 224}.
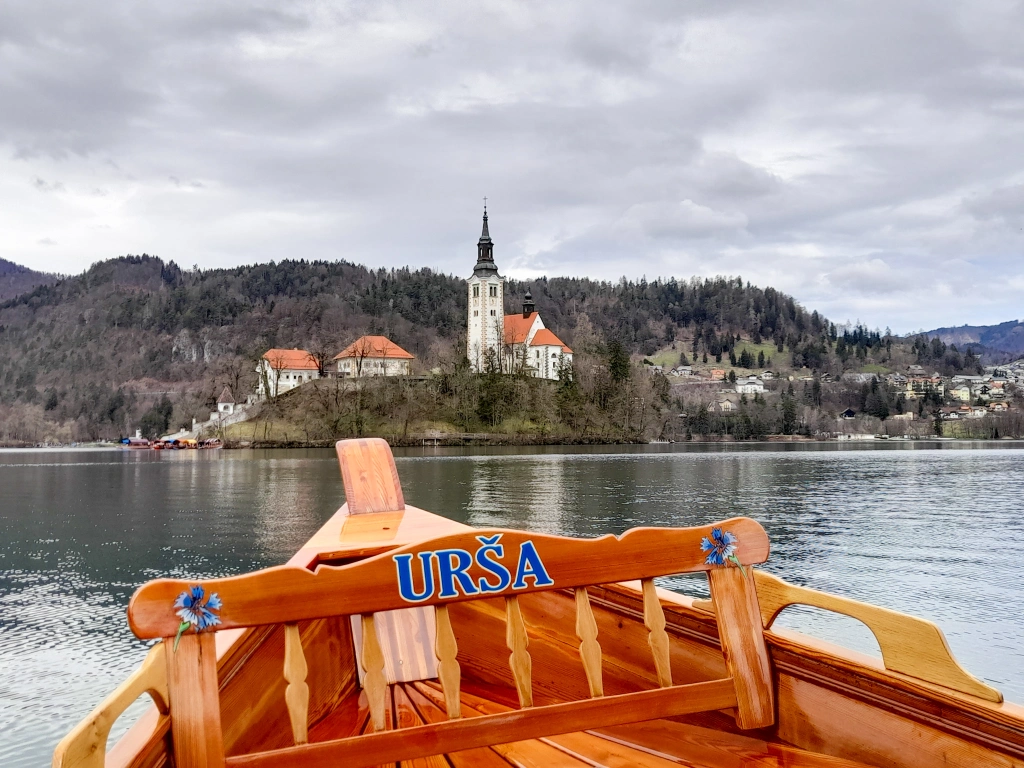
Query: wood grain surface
{"x": 519, "y": 660}
{"x": 374, "y": 683}
{"x": 448, "y": 670}
{"x": 194, "y": 700}
{"x": 746, "y": 655}
{"x": 287, "y": 594}
{"x": 86, "y": 745}
{"x": 590, "y": 648}
{"x": 654, "y": 620}
{"x": 369, "y": 475}
{"x": 468, "y": 733}
{"x": 909, "y": 645}
{"x": 296, "y": 694}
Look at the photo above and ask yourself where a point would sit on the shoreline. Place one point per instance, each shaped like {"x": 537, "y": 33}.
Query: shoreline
{"x": 497, "y": 440}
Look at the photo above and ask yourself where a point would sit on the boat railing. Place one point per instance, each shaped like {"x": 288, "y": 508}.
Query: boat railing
{"x": 86, "y": 745}
{"x": 909, "y": 645}
{"x": 474, "y": 565}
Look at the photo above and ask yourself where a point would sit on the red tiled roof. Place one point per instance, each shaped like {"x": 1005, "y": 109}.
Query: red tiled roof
{"x": 545, "y": 338}
{"x": 518, "y": 327}
{"x": 291, "y": 359}
{"x": 374, "y": 346}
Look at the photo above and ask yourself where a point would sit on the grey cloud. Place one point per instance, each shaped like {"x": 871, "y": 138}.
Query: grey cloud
{"x": 830, "y": 150}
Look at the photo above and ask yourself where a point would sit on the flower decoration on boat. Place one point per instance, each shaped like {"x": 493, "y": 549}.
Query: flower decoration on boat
{"x": 721, "y": 548}
{"x": 196, "y": 610}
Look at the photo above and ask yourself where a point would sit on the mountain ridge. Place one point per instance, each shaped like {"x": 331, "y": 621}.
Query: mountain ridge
{"x": 1007, "y": 337}
{"x": 16, "y": 279}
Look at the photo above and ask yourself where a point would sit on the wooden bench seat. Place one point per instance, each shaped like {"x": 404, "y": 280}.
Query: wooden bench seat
{"x": 651, "y": 744}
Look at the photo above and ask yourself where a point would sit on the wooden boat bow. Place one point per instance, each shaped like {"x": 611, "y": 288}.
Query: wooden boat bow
{"x": 398, "y": 636}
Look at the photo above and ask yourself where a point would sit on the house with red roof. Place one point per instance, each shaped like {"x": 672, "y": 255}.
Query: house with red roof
{"x": 281, "y": 370}
{"x": 373, "y": 356}
{"x": 508, "y": 343}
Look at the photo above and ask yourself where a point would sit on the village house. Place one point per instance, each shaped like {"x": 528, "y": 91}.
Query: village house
{"x": 372, "y": 356}
{"x": 723, "y": 406}
{"x": 767, "y": 375}
{"x": 718, "y": 374}
{"x": 961, "y": 393}
{"x": 749, "y": 386}
{"x": 510, "y": 343}
{"x": 281, "y": 370}
{"x": 919, "y": 386}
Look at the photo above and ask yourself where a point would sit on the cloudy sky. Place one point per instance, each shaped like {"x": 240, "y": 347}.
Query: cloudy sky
{"x": 867, "y": 157}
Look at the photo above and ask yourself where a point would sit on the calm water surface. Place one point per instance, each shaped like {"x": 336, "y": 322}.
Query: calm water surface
{"x": 937, "y": 533}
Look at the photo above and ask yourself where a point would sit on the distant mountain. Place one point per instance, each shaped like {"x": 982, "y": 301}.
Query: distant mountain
{"x": 1006, "y": 337}
{"x": 16, "y": 279}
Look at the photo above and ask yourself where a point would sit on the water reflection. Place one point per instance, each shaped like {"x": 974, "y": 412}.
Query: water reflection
{"x": 927, "y": 531}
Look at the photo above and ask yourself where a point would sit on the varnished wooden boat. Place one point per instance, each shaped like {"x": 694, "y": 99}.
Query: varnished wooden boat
{"x": 399, "y": 637}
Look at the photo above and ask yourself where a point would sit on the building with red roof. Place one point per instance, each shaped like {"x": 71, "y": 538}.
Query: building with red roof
{"x": 280, "y": 370}
{"x": 373, "y": 356}
{"x": 509, "y": 343}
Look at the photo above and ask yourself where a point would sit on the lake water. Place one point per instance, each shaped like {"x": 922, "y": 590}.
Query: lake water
{"x": 934, "y": 532}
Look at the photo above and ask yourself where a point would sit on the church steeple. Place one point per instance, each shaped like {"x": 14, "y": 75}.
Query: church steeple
{"x": 485, "y": 251}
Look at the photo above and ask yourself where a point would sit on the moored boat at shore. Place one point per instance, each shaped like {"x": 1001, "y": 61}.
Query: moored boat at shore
{"x": 395, "y": 635}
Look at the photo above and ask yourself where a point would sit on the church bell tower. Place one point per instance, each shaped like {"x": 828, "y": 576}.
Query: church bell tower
{"x": 486, "y": 314}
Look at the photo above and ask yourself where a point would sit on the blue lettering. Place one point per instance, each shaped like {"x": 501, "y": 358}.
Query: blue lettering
{"x": 486, "y": 559}
{"x": 529, "y": 567}
{"x": 452, "y": 565}
{"x": 403, "y": 564}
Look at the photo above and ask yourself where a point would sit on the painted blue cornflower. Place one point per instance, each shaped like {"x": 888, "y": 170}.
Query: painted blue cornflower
{"x": 721, "y": 548}
{"x": 195, "y": 611}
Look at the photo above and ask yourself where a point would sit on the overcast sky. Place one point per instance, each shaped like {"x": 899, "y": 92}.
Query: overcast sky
{"x": 866, "y": 157}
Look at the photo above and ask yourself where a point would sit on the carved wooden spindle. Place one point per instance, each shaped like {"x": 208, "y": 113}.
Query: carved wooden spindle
{"x": 448, "y": 671}
{"x": 374, "y": 682}
{"x": 654, "y": 619}
{"x": 590, "y": 649}
{"x": 296, "y": 695}
{"x": 519, "y": 660}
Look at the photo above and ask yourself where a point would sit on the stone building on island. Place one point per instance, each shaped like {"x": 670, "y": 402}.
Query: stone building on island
{"x": 508, "y": 343}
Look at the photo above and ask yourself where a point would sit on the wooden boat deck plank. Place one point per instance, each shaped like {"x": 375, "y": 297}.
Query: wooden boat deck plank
{"x": 430, "y": 712}
{"x": 534, "y": 753}
{"x": 660, "y": 743}
{"x": 705, "y": 747}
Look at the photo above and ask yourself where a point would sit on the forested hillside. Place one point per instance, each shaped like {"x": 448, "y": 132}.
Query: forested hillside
{"x": 998, "y": 342}
{"x": 95, "y": 349}
{"x": 16, "y": 279}
{"x": 89, "y": 356}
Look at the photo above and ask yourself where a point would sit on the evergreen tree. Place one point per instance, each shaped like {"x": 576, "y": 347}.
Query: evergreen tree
{"x": 618, "y": 362}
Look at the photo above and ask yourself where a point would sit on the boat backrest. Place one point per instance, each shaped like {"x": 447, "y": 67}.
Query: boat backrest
{"x": 465, "y": 566}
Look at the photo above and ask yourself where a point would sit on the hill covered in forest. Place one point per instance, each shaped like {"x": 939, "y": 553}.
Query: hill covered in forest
{"x": 16, "y": 279}
{"x": 995, "y": 340}
{"x": 89, "y": 356}
{"x": 95, "y": 349}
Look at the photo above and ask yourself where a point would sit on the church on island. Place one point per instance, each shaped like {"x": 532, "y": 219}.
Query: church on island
{"x": 507, "y": 343}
